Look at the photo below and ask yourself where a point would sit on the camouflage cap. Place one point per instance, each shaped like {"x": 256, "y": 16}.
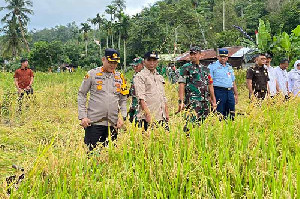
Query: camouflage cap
{"x": 112, "y": 55}
{"x": 195, "y": 49}
{"x": 137, "y": 61}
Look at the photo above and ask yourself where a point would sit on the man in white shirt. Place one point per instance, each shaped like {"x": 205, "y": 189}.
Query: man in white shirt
{"x": 273, "y": 86}
{"x": 282, "y": 76}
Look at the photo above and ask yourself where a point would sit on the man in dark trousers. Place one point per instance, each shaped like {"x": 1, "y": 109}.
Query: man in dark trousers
{"x": 224, "y": 84}
{"x": 108, "y": 94}
{"x": 257, "y": 78}
{"x": 23, "y": 80}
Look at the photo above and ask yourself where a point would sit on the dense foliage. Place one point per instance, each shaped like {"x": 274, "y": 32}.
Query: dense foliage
{"x": 169, "y": 26}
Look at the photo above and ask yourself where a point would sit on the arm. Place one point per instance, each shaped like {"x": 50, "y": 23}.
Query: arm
{"x": 144, "y": 107}
{"x": 249, "y": 85}
{"x": 212, "y": 96}
{"x": 236, "y": 95}
{"x": 123, "y": 110}
{"x": 30, "y": 84}
{"x": 167, "y": 112}
{"x": 17, "y": 85}
{"x": 181, "y": 94}
{"x": 82, "y": 93}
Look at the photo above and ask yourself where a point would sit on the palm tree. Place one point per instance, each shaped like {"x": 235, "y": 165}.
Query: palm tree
{"x": 111, "y": 10}
{"x": 12, "y": 38}
{"x": 18, "y": 13}
{"x": 98, "y": 20}
{"x": 85, "y": 29}
{"x": 120, "y": 6}
{"x": 124, "y": 27}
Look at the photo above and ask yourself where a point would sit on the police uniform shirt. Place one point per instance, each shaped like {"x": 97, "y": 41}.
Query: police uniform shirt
{"x": 259, "y": 77}
{"x": 223, "y": 76}
{"x": 108, "y": 94}
{"x": 282, "y": 79}
{"x": 149, "y": 86}
{"x": 272, "y": 81}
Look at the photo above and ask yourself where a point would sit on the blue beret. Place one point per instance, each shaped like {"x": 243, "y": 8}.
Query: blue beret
{"x": 223, "y": 52}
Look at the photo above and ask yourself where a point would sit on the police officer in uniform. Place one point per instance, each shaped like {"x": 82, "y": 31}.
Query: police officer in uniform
{"x": 224, "y": 84}
{"x": 137, "y": 66}
{"x": 196, "y": 87}
{"x": 108, "y": 94}
{"x": 257, "y": 78}
{"x": 149, "y": 87}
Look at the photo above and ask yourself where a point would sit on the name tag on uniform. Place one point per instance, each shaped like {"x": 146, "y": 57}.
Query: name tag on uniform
{"x": 229, "y": 74}
{"x": 257, "y": 71}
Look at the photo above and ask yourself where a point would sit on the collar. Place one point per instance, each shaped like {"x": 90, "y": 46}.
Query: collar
{"x": 218, "y": 62}
{"x": 149, "y": 72}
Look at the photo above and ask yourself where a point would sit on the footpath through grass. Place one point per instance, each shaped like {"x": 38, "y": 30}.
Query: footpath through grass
{"x": 255, "y": 156}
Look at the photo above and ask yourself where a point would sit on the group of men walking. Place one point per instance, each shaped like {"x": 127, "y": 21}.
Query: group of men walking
{"x": 200, "y": 90}
{"x": 264, "y": 80}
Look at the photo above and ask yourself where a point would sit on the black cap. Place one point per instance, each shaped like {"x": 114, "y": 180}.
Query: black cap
{"x": 23, "y": 60}
{"x": 151, "y": 54}
{"x": 195, "y": 49}
{"x": 268, "y": 55}
{"x": 112, "y": 55}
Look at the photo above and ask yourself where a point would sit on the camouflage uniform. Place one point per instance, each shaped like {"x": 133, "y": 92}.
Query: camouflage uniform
{"x": 197, "y": 96}
{"x": 134, "y": 103}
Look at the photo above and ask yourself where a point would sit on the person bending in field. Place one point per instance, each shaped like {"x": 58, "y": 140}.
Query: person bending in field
{"x": 108, "y": 95}
{"x": 23, "y": 81}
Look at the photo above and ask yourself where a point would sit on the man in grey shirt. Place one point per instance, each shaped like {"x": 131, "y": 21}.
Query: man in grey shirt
{"x": 108, "y": 94}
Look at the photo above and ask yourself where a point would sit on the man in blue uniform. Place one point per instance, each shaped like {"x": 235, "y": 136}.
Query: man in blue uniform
{"x": 224, "y": 84}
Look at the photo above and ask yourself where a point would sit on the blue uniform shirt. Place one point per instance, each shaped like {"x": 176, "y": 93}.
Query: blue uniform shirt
{"x": 223, "y": 76}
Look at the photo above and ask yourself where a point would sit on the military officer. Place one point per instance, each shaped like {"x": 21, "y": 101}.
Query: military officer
{"x": 137, "y": 66}
{"x": 108, "y": 94}
{"x": 150, "y": 92}
{"x": 257, "y": 78}
{"x": 225, "y": 88}
{"x": 196, "y": 87}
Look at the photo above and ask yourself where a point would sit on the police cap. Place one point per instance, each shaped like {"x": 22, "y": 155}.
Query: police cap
{"x": 112, "y": 55}
{"x": 223, "y": 52}
{"x": 151, "y": 54}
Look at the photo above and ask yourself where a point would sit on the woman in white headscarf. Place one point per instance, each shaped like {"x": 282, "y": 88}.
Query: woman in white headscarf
{"x": 294, "y": 79}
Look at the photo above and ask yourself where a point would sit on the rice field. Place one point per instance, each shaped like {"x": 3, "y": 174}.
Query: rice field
{"x": 255, "y": 156}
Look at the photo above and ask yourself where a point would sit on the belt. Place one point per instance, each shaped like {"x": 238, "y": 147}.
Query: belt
{"x": 223, "y": 88}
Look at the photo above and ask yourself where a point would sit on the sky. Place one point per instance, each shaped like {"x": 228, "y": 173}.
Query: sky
{"x": 50, "y": 13}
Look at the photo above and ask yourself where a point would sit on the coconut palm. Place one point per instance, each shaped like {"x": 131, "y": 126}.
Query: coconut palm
{"x": 85, "y": 29}
{"x": 18, "y": 14}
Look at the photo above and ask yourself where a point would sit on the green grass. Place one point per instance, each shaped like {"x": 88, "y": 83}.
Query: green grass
{"x": 255, "y": 156}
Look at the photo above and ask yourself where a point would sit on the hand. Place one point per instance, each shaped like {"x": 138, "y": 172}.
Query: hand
{"x": 28, "y": 88}
{"x": 236, "y": 99}
{"x": 167, "y": 117}
{"x": 148, "y": 117}
{"x": 85, "y": 122}
{"x": 214, "y": 105}
{"x": 120, "y": 123}
{"x": 20, "y": 90}
{"x": 180, "y": 107}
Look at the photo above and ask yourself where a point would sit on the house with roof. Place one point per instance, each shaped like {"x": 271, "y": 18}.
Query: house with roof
{"x": 238, "y": 56}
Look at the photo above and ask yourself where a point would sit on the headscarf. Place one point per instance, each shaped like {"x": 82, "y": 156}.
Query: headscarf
{"x": 296, "y": 63}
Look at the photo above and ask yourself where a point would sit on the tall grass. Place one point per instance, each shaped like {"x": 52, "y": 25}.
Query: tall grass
{"x": 255, "y": 156}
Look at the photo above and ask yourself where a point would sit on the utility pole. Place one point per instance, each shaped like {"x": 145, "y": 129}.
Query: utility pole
{"x": 223, "y": 15}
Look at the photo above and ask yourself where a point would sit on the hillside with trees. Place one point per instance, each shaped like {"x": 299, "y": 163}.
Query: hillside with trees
{"x": 169, "y": 26}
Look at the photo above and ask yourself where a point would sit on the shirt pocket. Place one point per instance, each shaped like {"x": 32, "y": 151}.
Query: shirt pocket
{"x": 99, "y": 84}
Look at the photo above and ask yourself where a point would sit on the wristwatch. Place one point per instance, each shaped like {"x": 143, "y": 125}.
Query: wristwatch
{"x": 179, "y": 101}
